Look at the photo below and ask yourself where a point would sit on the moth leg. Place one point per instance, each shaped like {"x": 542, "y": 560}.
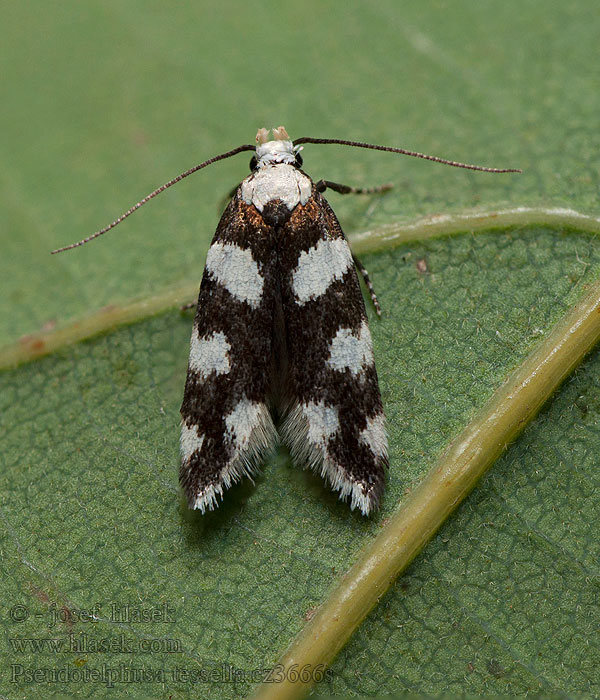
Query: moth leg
{"x": 365, "y": 275}
{"x": 323, "y": 185}
{"x": 190, "y": 305}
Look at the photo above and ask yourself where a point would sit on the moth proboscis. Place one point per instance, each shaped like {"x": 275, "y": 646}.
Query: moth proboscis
{"x": 281, "y": 346}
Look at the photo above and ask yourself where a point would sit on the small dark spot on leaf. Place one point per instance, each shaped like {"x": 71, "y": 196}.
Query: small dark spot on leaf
{"x": 494, "y": 668}
{"x": 39, "y": 593}
{"x": 34, "y": 344}
{"x": 309, "y": 614}
{"x": 422, "y": 266}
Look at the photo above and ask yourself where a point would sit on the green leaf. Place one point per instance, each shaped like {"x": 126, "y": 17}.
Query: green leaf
{"x": 106, "y": 101}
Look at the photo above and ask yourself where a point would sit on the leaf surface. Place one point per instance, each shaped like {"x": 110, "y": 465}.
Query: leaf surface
{"x": 108, "y": 100}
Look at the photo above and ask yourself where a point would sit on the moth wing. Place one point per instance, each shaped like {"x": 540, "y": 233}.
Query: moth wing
{"x": 334, "y": 421}
{"x": 226, "y": 425}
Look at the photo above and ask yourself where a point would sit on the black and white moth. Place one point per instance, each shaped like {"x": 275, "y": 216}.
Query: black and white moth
{"x": 281, "y": 346}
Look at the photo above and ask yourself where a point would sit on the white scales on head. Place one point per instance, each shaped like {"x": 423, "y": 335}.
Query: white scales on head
{"x": 276, "y": 176}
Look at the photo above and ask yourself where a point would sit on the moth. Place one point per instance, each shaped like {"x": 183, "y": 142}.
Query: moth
{"x": 281, "y": 348}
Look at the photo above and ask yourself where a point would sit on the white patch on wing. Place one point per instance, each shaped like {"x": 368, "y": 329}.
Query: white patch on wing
{"x": 318, "y": 267}
{"x": 348, "y": 351}
{"x": 374, "y": 435}
{"x": 251, "y": 433}
{"x": 278, "y": 181}
{"x": 241, "y": 423}
{"x": 323, "y": 422}
{"x": 191, "y": 441}
{"x": 237, "y": 271}
{"x": 209, "y": 354}
{"x": 306, "y": 431}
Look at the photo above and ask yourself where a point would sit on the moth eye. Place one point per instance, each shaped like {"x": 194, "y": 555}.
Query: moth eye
{"x": 253, "y": 163}
{"x": 299, "y": 161}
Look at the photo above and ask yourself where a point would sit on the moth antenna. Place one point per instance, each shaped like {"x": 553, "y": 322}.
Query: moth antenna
{"x": 162, "y": 188}
{"x": 403, "y": 151}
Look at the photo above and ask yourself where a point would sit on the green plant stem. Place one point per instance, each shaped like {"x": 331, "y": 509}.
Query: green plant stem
{"x": 438, "y": 225}
{"x": 456, "y": 472}
{"x": 36, "y": 345}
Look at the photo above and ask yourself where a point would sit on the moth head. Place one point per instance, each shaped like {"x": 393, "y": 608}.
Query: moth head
{"x": 278, "y": 150}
